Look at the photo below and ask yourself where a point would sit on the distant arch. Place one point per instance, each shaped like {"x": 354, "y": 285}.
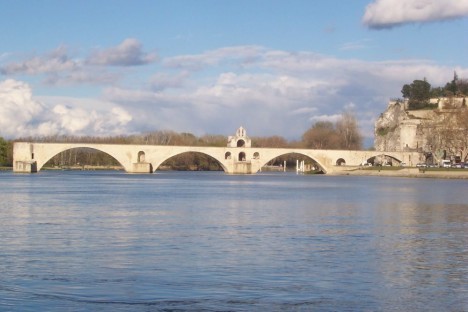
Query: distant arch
{"x": 256, "y": 155}
{"x": 227, "y": 155}
{"x": 340, "y": 162}
{"x": 240, "y": 143}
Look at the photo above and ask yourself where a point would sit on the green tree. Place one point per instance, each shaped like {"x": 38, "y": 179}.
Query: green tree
{"x": 3, "y": 152}
{"x": 418, "y": 94}
{"x": 451, "y": 87}
{"x": 406, "y": 91}
{"x": 462, "y": 86}
{"x": 437, "y": 92}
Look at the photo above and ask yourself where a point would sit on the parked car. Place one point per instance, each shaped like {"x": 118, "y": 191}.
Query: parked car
{"x": 421, "y": 165}
{"x": 445, "y": 163}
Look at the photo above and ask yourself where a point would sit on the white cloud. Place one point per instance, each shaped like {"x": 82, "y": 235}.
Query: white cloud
{"x": 22, "y": 115}
{"x": 18, "y": 110}
{"x": 127, "y": 53}
{"x": 331, "y": 118}
{"x": 389, "y": 13}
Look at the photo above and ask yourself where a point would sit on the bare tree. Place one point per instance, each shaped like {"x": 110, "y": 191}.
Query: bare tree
{"x": 348, "y": 131}
{"x": 322, "y": 135}
{"x": 449, "y": 131}
{"x": 344, "y": 134}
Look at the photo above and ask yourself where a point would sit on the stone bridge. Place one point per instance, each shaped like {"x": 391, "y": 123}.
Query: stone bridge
{"x": 239, "y": 157}
{"x": 31, "y": 157}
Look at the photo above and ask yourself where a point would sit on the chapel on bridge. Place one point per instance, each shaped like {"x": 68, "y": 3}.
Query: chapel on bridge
{"x": 240, "y": 139}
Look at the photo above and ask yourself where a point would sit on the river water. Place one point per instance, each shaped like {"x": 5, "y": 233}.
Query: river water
{"x": 191, "y": 241}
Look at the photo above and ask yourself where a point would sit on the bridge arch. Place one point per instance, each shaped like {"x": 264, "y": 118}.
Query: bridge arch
{"x": 298, "y": 153}
{"x": 216, "y": 158}
{"x": 384, "y": 158}
{"x": 45, "y": 156}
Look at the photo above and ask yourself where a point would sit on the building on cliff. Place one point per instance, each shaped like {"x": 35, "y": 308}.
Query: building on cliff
{"x": 399, "y": 129}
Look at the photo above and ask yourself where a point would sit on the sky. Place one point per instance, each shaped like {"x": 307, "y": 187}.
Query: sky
{"x": 104, "y": 68}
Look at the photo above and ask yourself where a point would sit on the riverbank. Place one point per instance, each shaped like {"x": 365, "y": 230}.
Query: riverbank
{"x": 404, "y": 172}
{"x": 343, "y": 170}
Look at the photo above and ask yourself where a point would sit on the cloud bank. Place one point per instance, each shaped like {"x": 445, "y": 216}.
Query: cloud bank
{"x": 22, "y": 115}
{"x": 270, "y": 92}
{"x": 389, "y": 13}
{"x": 60, "y": 67}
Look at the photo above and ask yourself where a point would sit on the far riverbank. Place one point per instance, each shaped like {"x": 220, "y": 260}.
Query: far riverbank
{"x": 404, "y": 172}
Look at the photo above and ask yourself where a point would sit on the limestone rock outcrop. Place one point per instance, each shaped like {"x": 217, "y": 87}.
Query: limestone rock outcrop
{"x": 400, "y": 130}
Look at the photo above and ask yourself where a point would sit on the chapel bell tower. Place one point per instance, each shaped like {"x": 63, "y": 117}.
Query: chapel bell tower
{"x": 240, "y": 139}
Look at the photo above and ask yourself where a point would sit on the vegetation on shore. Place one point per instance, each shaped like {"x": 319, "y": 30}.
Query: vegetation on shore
{"x": 6, "y": 153}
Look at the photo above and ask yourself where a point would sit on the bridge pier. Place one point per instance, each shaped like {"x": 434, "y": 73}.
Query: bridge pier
{"x": 25, "y": 166}
{"x": 242, "y": 167}
{"x": 142, "y": 167}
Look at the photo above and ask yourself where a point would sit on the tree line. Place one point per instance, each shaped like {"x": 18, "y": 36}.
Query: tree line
{"x": 419, "y": 92}
{"x": 342, "y": 134}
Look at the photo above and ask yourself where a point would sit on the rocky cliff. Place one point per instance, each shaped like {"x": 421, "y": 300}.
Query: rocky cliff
{"x": 400, "y": 130}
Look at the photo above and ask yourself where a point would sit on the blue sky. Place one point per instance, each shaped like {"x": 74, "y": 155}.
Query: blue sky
{"x": 207, "y": 67}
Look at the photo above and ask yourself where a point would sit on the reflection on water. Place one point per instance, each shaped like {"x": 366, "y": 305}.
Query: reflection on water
{"x": 82, "y": 241}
